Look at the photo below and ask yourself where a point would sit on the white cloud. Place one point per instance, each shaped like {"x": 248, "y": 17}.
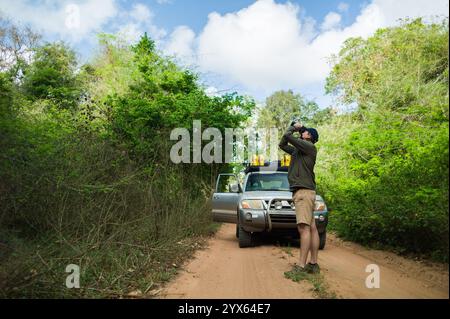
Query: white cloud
{"x": 393, "y": 10}
{"x": 141, "y": 13}
{"x": 78, "y": 21}
{"x": 253, "y": 46}
{"x": 164, "y": 1}
{"x": 331, "y": 21}
{"x": 64, "y": 18}
{"x": 263, "y": 47}
{"x": 137, "y": 21}
{"x": 180, "y": 43}
{"x": 131, "y": 32}
{"x": 268, "y": 46}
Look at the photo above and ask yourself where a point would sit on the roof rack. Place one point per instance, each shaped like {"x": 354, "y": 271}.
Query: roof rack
{"x": 275, "y": 166}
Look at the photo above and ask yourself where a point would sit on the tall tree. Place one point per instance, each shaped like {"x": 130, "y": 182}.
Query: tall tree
{"x": 397, "y": 151}
{"x": 16, "y": 44}
{"x": 52, "y": 75}
{"x": 284, "y": 106}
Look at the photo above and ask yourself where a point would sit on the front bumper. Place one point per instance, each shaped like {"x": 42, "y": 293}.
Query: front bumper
{"x": 269, "y": 220}
{"x": 321, "y": 224}
{"x": 258, "y": 221}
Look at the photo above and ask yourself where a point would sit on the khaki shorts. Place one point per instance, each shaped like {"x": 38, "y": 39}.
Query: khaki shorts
{"x": 304, "y": 200}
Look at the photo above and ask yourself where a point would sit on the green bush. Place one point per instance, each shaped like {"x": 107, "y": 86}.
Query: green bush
{"x": 384, "y": 167}
{"x": 85, "y": 173}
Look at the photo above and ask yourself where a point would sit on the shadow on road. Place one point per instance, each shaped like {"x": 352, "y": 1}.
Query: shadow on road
{"x": 274, "y": 239}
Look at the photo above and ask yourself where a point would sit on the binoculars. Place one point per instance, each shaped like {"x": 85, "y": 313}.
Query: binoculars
{"x": 302, "y": 128}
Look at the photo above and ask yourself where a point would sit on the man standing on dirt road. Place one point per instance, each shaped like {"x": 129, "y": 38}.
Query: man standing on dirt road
{"x": 303, "y": 186}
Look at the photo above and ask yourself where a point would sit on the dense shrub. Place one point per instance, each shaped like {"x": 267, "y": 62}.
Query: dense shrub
{"x": 384, "y": 168}
{"x": 85, "y": 173}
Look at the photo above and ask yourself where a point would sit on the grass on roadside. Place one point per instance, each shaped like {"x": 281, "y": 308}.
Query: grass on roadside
{"x": 320, "y": 287}
{"x": 119, "y": 270}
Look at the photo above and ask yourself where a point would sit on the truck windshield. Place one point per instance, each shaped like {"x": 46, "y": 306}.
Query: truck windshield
{"x": 267, "y": 182}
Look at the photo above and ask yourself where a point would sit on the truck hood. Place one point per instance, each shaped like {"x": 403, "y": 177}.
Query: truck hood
{"x": 271, "y": 194}
{"x": 267, "y": 195}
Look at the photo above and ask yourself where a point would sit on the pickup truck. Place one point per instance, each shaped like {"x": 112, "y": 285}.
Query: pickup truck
{"x": 262, "y": 204}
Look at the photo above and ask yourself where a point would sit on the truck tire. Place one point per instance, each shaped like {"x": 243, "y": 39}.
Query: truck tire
{"x": 245, "y": 238}
{"x": 323, "y": 239}
{"x": 237, "y": 230}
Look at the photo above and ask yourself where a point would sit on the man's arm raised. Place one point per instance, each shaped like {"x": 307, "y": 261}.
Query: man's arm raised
{"x": 303, "y": 146}
{"x": 285, "y": 146}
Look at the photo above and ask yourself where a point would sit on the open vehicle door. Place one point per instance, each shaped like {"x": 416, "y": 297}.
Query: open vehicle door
{"x": 225, "y": 198}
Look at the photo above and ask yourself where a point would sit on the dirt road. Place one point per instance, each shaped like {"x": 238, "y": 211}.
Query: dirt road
{"x": 223, "y": 270}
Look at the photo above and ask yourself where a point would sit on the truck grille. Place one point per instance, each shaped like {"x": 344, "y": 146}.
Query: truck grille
{"x": 283, "y": 218}
{"x": 287, "y": 204}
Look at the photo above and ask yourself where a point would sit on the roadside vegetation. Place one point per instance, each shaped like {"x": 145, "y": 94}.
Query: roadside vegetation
{"x": 383, "y": 168}
{"x": 319, "y": 288}
{"x": 85, "y": 173}
{"x": 382, "y": 163}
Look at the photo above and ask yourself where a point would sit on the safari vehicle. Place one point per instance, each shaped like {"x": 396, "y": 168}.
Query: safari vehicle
{"x": 263, "y": 204}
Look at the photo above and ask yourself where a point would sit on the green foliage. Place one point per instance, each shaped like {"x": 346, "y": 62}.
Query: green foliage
{"x": 164, "y": 97}
{"x": 52, "y": 75}
{"x": 84, "y": 202}
{"x": 283, "y": 106}
{"x": 5, "y": 93}
{"x": 85, "y": 173}
{"x": 319, "y": 286}
{"x": 386, "y": 172}
{"x": 16, "y": 43}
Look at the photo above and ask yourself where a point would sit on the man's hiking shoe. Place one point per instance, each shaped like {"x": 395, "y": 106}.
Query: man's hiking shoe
{"x": 296, "y": 268}
{"x": 296, "y": 274}
{"x": 312, "y": 268}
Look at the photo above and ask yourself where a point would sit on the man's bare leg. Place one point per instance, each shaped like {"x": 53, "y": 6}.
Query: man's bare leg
{"x": 314, "y": 248}
{"x": 305, "y": 242}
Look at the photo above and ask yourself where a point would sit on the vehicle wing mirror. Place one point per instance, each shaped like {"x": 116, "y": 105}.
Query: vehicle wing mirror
{"x": 234, "y": 188}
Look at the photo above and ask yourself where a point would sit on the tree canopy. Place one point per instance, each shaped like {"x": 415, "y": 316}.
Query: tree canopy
{"x": 389, "y": 179}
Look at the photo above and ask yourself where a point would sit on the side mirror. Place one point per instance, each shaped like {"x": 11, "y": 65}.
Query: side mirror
{"x": 234, "y": 188}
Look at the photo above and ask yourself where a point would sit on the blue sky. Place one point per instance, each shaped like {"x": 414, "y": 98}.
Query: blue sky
{"x": 252, "y": 47}
{"x": 195, "y": 13}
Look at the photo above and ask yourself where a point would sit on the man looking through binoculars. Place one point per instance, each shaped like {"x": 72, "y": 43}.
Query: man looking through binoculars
{"x": 303, "y": 186}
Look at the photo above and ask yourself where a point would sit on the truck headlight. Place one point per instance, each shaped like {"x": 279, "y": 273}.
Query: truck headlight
{"x": 252, "y": 204}
{"x": 319, "y": 206}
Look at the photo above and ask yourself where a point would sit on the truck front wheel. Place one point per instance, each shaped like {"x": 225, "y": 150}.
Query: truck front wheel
{"x": 322, "y": 240}
{"x": 245, "y": 238}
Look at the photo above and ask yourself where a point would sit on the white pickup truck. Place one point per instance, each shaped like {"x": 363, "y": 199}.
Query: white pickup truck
{"x": 262, "y": 204}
